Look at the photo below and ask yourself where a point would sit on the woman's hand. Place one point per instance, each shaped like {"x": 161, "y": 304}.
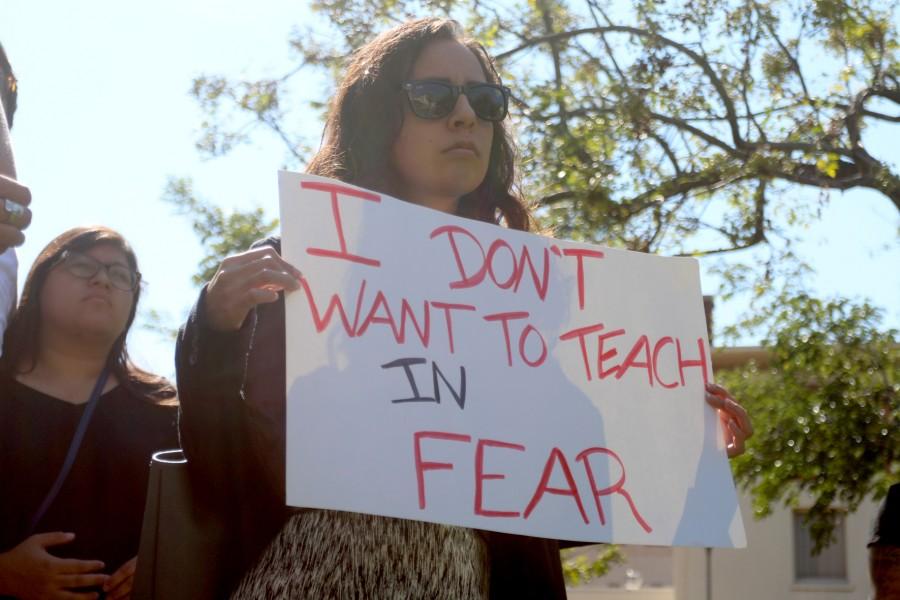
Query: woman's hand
{"x": 14, "y": 218}
{"x": 29, "y": 572}
{"x": 735, "y": 420}
{"x": 119, "y": 584}
{"x": 243, "y": 281}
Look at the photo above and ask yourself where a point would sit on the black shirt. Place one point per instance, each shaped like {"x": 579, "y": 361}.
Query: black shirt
{"x": 102, "y": 499}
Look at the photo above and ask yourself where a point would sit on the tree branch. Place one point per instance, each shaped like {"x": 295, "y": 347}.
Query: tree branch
{"x": 683, "y": 125}
{"x": 547, "y": 19}
{"x": 700, "y": 61}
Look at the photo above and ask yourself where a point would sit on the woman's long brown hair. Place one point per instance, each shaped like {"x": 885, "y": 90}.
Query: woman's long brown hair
{"x": 21, "y": 342}
{"x": 366, "y": 114}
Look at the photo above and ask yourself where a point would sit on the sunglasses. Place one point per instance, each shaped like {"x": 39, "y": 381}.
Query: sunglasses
{"x": 85, "y": 267}
{"x": 436, "y": 99}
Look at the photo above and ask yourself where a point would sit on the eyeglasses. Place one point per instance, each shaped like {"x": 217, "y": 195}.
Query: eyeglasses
{"x": 436, "y": 99}
{"x": 85, "y": 267}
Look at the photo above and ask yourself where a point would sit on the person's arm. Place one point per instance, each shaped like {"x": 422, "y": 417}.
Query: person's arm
{"x": 8, "y": 270}
{"x": 210, "y": 372}
{"x": 11, "y": 225}
{"x": 211, "y": 359}
{"x": 224, "y": 358}
{"x": 10, "y": 233}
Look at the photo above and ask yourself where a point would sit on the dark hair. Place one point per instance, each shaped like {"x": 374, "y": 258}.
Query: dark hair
{"x": 8, "y": 88}
{"x": 21, "y": 341}
{"x": 366, "y": 114}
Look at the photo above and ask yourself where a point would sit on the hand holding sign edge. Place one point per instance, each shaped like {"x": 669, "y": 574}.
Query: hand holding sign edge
{"x": 735, "y": 420}
{"x": 243, "y": 281}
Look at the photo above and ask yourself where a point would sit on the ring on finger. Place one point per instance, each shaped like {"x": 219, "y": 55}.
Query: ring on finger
{"x": 13, "y": 213}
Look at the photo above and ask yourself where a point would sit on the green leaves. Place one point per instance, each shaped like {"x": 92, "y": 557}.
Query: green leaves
{"x": 677, "y": 126}
{"x": 222, "y": 233}
{"x": 826, "y": 411}
{"x": 580, "y": 567}
{"x": 658, "y": 126}
{"x": 828, "y": 164}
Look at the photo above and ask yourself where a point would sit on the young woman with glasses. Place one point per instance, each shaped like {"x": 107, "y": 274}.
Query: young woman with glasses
{"x": 420, "y": 116}
{"x": 71, "y": 511}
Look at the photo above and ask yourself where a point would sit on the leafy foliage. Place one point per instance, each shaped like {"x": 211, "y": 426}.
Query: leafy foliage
{"x": 826, "y": 411}
{"x": 220, "y": 232}
{"x": 159, "y": 323}
{"x": 671, "y": 126}
{"x": 579, "y": 568}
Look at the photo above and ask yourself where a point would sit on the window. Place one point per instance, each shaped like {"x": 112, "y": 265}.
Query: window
{"x": 830, "y": 564}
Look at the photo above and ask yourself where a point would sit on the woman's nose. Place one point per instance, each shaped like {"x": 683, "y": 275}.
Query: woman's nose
{"x": 101, "y": 277}
{"x": 463, "y": 115}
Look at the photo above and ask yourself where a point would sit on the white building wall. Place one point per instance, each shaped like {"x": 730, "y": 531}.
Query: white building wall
{"x": 762, "y": 571}
{"x": 765, "y": 569}
{"x": 612, "y": 594}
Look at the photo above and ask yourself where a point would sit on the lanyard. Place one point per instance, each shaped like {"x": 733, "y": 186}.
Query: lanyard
{"x": 73, "y": 450}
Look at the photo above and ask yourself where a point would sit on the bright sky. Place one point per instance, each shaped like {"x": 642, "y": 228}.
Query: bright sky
{"x": 105, "y": 118}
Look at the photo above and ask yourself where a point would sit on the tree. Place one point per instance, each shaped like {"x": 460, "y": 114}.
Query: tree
{"x": 826, "y": 410}
{"x": 221, "y": 233}
{"x": 583, "y": 565}
{"x": 677, "y": 127}
{"x": 680, "y": 127}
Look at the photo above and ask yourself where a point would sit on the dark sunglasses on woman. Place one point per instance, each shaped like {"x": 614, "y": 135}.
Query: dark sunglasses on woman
{"x": 436, "y": 99}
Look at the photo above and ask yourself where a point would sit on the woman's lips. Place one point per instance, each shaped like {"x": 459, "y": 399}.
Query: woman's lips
{"x": 462, "y": 149}
{"x": 97, "y": 297}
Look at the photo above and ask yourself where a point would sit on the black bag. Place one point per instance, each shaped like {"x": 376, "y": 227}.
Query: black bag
{"x": 183, "y": 550}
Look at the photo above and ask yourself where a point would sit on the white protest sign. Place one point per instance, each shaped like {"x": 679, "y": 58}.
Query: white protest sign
{"x": 453, "y": 371}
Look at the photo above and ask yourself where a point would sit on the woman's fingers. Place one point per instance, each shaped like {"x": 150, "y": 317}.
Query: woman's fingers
{"x": 119, "y": 585}
{"x": 14, "y": 216}
{"x": 10, "y": 237}
{"x": 735, "y": 419}
{"x": 82, "y": 581}
{"x": 68, "y": 595}
{"x": 734, "y": 437}
{"x": 50, "y": 538}
{"x": 256, "y": 268}
{"x": 234, "y": 290}
{"x": 261, "y": 296}
{"x": 264, "y": 277}
{"x": 14, "y": 219}
{"x": 123, "y": 590}
{"x": 720, "y": 398}
{"x": 15, "y": 191}
{"x": 66, "y": 566}
{"x": 243, "y": 281}
{"x": 74, "y": 566}
{"x": 266, "y": 253}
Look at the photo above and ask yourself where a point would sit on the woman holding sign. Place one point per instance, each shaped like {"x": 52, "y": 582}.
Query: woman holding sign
{"x": 420, "y": 116}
